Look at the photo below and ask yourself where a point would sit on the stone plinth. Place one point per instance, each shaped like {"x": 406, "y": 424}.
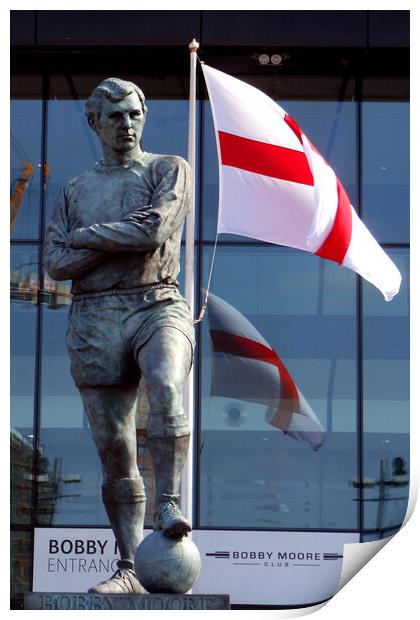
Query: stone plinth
{"x": 170, "y": 602}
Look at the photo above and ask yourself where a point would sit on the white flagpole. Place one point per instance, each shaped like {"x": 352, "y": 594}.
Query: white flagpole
{"x": 187, "y": 482}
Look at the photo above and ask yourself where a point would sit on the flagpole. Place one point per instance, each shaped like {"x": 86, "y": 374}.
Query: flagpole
{"x": 187, "y": 482}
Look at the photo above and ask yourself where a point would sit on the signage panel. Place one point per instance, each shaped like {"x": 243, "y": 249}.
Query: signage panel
{"x": 271, "y": 568}
{"x": 253, "y": 567}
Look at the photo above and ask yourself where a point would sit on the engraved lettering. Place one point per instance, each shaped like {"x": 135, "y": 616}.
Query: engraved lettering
{"x": 47, "y": 601}
{"x": 192, "y": 603}
{"x": 208, "y": 603}
{"x": 137, "y": 602}
{"x": 64, "y": 602}
{"x": 108, "y": 602}
{"x": 157, "y": 603}
{"x": 97, "y": 602}
{"x": 175, "y": 603}
{"x": 82, "y": 602}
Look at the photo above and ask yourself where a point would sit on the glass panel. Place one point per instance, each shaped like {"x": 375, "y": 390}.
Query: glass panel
{"x": 23, "y": 317}
{"x": 251, "y": 473}
{"x": 386, "y": 169}
{"x": 23, "y": 295}
{"x": 330, "y": 125}
{"x": 25, "y": 167}
{"x": 386, "y": 402}
{"x": 72, "y": 147}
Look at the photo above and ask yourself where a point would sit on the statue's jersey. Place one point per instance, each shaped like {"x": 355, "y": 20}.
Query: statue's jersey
{"x": 120, "y": 228}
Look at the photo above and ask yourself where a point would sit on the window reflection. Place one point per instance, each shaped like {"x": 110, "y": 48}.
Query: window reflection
{"x": 23, "y": 296}
{"x": 386, "y": 402}
{"x": 304, "y": 307}
{"x": 23, "y": 315}
{"x": 72, "y": 146}
{"x": 386, "y": 169}
{"x": 20, "y": 563}
{"x": 25, "y": 168}
{"x": 251, "y": 474}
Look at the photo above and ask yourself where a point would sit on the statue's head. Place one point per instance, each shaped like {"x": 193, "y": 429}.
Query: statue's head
{"x": 116, "y": 111}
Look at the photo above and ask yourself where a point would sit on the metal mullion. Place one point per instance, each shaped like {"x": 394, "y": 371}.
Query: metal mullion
{"x": 359, "y": 320}
{"x": 39, "y": 320}
{"x": 24, "y": 242}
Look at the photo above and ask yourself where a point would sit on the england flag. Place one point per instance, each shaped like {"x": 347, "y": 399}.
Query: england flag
{"x": 275, "y": 186}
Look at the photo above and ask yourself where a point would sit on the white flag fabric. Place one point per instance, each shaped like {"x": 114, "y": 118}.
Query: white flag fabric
{"x": 247, "y": 368}
{"x": 276, "y": 187}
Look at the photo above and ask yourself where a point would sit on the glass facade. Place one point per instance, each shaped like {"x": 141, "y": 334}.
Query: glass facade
{"x": 346, "y": 349}
{"x": 306, "y": 311}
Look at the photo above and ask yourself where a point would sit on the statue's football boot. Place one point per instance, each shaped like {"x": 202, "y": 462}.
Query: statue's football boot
{"x": 169, "y": 518}
{"x": 123, "y": 581}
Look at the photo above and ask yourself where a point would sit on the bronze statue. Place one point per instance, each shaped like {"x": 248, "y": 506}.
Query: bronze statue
{"x": 116, "y": 233}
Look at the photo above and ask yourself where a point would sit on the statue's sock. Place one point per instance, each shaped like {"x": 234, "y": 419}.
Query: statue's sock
{"x": 125, "y": 503}
{"x": 169, "y": 455}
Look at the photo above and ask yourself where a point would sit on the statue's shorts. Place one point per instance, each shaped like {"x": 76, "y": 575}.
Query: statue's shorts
{"x": 106, "y": 331}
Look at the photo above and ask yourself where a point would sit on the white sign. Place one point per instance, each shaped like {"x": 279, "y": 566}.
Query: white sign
{"x": 72, "y": 559}
{"x": 254, "y": 568}
{"x": 271, "y": 568}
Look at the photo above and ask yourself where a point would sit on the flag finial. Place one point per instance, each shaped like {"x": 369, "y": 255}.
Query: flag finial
{"x": 194, "y": 45}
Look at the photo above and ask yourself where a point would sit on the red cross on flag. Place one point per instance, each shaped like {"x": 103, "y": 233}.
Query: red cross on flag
{"x": 246, "y": 367}
{"x": 275, "y": 186}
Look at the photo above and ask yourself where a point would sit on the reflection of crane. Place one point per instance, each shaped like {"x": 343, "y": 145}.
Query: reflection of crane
{"x": 19, "y": 190}
{"x": 19, "y": 185}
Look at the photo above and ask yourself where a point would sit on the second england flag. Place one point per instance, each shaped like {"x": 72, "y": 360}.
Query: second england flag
{"x": 275, "y": 186}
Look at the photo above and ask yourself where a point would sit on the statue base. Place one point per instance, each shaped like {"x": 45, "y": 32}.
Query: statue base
{"x": 170, "y": 602}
